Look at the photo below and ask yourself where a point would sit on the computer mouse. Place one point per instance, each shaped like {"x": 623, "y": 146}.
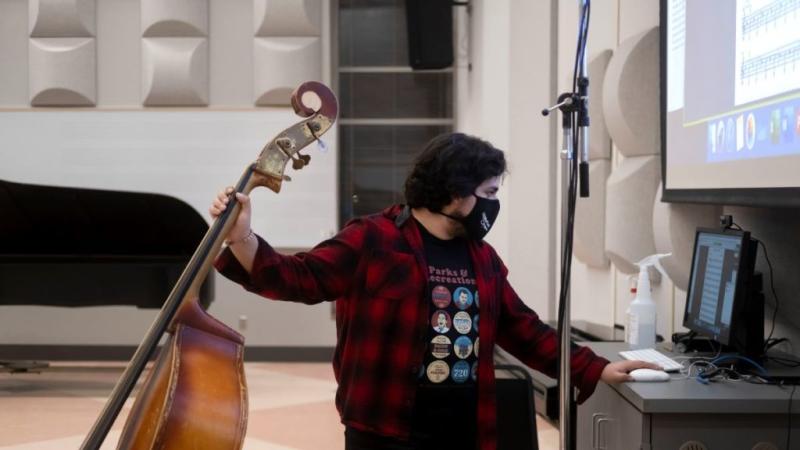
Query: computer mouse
{"x": 649, "y": 375}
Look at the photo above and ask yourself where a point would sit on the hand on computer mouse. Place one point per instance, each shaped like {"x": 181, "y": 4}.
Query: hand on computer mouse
{"x": 618, "y": 371}
{"x": 649, "y": 375}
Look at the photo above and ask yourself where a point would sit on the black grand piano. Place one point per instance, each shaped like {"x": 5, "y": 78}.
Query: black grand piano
{"x": 85, "y": 247}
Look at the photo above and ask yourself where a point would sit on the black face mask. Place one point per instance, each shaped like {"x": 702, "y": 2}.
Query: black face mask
{"x": 480, "y": 220}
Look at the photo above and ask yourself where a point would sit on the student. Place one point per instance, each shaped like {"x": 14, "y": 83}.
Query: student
{"x": 400, "y": 385}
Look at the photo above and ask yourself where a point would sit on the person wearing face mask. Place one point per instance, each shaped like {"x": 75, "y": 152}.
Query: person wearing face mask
{"x": 405, "y": 381}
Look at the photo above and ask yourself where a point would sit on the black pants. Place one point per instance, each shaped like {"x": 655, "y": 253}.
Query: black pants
{"x": 440, "y": 421}
{"x": 362, "y": 440}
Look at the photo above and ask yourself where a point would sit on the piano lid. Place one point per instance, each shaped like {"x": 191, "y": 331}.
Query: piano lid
{"x": 85, "y": 247}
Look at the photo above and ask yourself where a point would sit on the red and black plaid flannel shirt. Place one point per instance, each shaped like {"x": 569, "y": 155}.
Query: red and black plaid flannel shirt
{"x": 375, "y": 270}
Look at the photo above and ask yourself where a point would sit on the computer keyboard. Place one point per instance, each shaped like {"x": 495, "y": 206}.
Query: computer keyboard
{"x": 653, "y": 356}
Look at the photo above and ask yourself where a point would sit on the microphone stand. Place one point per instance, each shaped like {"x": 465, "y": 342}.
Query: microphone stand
{"x": 574, "y": 109}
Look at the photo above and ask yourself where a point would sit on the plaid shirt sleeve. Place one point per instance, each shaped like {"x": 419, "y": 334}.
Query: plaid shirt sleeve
{"x": 323, "y": 273}
{"x": 524, "y": 335}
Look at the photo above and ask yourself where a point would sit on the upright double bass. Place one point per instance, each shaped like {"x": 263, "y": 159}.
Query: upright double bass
{"x": 195, "y": 396}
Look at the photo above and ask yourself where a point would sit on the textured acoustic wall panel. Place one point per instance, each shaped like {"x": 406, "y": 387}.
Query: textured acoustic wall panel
{"x": 175, "y": 52}
{"x": 631, "y": 95}
{"x": 290, "y": 37}
{"x": 674, "y": 226}
{"x": 590, "y": 217}
{"x": 281, "y": 63}
{"x": 175, "y": 71}
{"x": 599, "y": 139}
{"x": 61, "y": 18}
{"x": 631, "y": 191}
{"x": 61, "y": 71}
{"x": 287, "y": 17}
{"x": 173, "y": 18}
{"x": 286, "y": 50}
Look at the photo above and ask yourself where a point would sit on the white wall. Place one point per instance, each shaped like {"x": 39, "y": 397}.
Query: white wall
{"x": 500, "y": 100}
{"x": 602, "y": 295}
{"x": 503, "y": 97}
{"x": 514, "y": 73}
{"x": 189, "y": 153}
{"x": 483, "y": 106}
{"x": 593, "y": 291}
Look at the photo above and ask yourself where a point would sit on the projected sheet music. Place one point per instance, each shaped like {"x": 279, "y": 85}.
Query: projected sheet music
{"x": 768, "y": 48}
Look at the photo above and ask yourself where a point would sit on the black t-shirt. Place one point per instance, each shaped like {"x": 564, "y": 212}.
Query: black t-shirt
{"x": 447, "y": 380}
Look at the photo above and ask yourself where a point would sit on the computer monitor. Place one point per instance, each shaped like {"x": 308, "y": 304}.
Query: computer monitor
{"x": 719, "y": 294}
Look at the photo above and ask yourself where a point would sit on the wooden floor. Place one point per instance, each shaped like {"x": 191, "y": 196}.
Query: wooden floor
{"x": 291, "y": 407}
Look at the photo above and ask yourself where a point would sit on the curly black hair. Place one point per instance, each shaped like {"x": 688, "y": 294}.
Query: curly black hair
{"x": 451, "y": 166}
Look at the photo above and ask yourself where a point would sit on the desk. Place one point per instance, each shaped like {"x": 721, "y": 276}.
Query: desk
{"x": 654, "y": 416}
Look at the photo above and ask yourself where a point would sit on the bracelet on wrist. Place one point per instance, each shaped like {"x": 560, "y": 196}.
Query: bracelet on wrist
{"x": 250, "y": 236}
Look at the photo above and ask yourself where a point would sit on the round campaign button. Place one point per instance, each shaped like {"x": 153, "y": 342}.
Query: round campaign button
{"x": 475, "y": 322}
{"x": 475, "y": 371}
{"x": 460, "y": 372}
{"x": 440, "y": 346}
{"x": 477, "y": 342}
{"x": 438, "y": 371}
{"x": 440, "y": 296}
{"x": 462, "y": 298}
{"x": 463, "y": 347}
{"x": 477, "y": 302}
{"x": 440, "y": 321}
{"x": 462, "y": 322}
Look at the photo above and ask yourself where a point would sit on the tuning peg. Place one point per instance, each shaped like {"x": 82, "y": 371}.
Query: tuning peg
{"x": 299, "y": 163}
{"x": 286, "y": 145}
{"x": 315, "y": 127}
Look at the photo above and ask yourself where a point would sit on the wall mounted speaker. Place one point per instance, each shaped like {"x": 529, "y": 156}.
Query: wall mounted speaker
{"x": 430, "y": 33}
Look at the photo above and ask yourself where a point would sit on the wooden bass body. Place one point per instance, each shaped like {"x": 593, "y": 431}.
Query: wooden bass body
{"x": 195, "y": 396}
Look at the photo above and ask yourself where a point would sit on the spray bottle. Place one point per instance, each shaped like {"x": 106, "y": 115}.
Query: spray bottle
{"x": 640, "y": 331}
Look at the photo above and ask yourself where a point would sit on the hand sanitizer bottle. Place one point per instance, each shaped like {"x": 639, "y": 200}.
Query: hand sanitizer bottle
{"x": 640, "y": 331}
